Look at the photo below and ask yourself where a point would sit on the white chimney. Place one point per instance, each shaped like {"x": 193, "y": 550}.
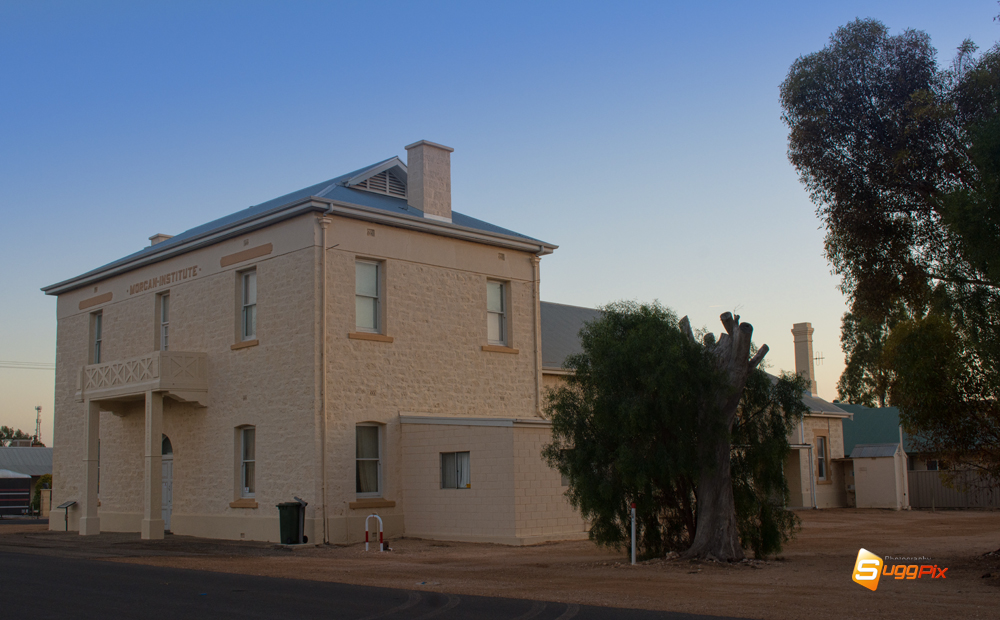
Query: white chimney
{"x": 159, "y": 238}
{"x": 802, "y": 334}
{"x": 428, "y": 179}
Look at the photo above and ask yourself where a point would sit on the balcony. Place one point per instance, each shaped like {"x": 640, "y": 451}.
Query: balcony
{"x": 180, "y": 375}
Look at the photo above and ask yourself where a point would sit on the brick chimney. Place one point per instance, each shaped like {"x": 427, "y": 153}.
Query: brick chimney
{"x": 428, "y": 179}
{"x": 158, "y": 238}
{"x": 802, "y": 334}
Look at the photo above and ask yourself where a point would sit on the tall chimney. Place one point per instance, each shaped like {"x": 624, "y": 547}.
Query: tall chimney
{"x": 428, "y": 179}
{"x": 802, "y": 334}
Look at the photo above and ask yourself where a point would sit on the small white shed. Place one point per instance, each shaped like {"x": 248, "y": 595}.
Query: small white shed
{"x": 880, "y": 476}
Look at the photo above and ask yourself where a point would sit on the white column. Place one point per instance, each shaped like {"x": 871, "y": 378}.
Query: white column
{"x": 152, "y": 518}
{"x": 90, "y": 523}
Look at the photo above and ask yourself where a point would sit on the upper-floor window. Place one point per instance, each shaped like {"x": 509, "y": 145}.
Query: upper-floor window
{"x": 248, "y": 329}
{"x": 496, "y": 312}
{"x": 368, "y": 460}
{"x": 366, "y": 296}
{"x": 164, "y": 321}
{"x": 97, "y": 329}
{"x": 821, "y": 457}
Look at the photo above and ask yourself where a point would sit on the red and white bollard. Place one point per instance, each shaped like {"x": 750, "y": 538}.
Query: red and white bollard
{"x": 380, "y": 544}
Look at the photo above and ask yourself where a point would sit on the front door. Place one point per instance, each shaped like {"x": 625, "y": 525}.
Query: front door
{"x": 168, "y": 482}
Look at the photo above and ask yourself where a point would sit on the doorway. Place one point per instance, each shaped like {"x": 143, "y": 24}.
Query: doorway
{"x": 167, "y": 501}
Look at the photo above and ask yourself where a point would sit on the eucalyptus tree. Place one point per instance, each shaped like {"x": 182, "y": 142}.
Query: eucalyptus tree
{"x": 902, "y": 158}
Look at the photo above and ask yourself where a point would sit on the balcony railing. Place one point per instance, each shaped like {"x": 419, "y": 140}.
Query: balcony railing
{"x": 180, "y": 374}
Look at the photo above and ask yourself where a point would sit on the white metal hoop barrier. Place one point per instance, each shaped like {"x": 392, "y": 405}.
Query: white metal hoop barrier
{"x": 380, "y": 544}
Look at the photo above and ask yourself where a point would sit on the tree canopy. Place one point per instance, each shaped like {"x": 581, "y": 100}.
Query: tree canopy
{"x": 629, "y": 426}
{"x": 8, "y": 433}
{"x": 902, "y": 158}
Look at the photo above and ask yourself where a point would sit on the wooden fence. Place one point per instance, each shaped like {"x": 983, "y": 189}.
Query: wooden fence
{"x": 944, "y": 489}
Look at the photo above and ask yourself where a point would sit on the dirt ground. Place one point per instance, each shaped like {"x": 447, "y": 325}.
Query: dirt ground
{"x": 811, "y": 578}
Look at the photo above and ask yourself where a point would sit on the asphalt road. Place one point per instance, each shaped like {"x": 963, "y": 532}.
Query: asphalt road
{"x": 39, "y": 587}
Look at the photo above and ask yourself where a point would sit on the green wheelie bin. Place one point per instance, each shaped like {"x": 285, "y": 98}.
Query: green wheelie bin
{"x": 289, "y": 523}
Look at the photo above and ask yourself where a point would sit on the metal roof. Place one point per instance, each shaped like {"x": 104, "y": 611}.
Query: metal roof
{"x": 873, "y": 425}
{"x": 6, "y": 473}
{"x": 561, "y": 325}
{"x": 817, "y": 405}
{"x": 332, "y": 189}
{"x": 30, "y": 461}
{"x": 873, "y": 450}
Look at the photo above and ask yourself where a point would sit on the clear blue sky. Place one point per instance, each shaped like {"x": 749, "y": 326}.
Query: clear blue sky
{"x": 643, "y": 138}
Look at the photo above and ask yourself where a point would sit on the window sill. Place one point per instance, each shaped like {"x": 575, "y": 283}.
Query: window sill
{"x": 246, "y": 502}
{"x": 824, "y": 482}
{"x": 371, "y": 503}
{"x": 245, "y": 344}
{"x": 371, "y": 337}
{"x": 491, "y": 348}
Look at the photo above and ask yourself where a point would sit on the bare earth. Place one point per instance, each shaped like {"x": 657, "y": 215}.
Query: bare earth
{"x": 811, "y": 579}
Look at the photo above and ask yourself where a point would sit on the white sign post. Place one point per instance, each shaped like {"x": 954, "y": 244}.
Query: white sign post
{"x": 633, "y": 532}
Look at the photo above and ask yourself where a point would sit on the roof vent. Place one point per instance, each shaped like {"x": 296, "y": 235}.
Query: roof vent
{"x": 159, "y": 238}
{"x": 384, "y": 182}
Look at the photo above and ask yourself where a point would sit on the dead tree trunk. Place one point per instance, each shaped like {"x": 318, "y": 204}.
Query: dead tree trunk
{"x": 717, "y": 535}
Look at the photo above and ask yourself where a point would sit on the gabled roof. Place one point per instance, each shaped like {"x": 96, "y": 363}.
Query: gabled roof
{"x": 28, "y": 461}
{"x": 873, "y": 450}
{"x": 359, "y": 203}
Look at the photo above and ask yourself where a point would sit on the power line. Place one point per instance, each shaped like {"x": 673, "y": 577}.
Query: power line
{"x": 27, "y": 365}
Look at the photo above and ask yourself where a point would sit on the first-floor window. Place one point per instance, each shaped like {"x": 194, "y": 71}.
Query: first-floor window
{"x": 247, "y": 460}
{"x": 455, "y": 470}
{"x": 821, "y": 457}
{"x": 368, "y": 461}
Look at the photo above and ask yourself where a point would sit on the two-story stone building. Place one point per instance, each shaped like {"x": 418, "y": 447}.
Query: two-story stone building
{"x": 356, "y": 344}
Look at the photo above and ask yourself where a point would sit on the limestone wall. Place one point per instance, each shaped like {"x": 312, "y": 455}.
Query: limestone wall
{"x": 542, "y": 510}
{"x": 272, "y": 385}
{"x": 831, "y": 493}
{"x": 434, "y": 299}
{"x": 485, "y": 512}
